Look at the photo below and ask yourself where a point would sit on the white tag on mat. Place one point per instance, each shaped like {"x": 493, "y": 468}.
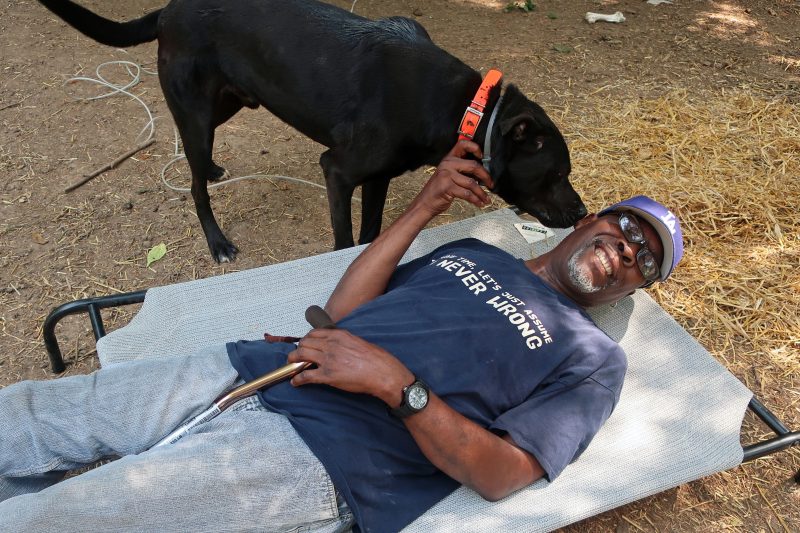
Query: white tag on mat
{"x": 533, "y": 231}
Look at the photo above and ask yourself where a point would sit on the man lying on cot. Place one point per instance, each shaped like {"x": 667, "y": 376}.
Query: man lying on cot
{"x": 465, "y": 366}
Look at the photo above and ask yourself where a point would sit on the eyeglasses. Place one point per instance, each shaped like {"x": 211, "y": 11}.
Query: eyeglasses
{"x": 648, "y": 265}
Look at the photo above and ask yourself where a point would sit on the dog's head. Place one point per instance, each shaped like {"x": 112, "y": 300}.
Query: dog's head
{"x": 530, "y": 165}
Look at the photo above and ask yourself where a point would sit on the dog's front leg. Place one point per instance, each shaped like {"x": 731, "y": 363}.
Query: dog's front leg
{"x": 373, "y": 199}
{"x": 340, "y": 195}
{"x": 222, "y": 250}
{"x": 197, "y": 110}
{"x": 197, "y": 143}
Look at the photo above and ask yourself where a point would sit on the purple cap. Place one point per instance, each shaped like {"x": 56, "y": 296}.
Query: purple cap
{"x": 663, "y": 221}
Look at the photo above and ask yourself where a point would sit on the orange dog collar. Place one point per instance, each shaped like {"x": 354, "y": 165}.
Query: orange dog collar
{"x": 474, "y": 113}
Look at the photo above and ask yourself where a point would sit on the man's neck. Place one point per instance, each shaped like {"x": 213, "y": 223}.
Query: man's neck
{"x": 543, "y": 267}
{"x": 540, "y": 266}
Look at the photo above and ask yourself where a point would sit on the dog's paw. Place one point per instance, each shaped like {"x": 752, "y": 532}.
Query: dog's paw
{"x": 217, "y": 172}
{"x": 224, "y": 252}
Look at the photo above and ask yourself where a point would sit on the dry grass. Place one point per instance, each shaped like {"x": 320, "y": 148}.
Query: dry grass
{"x": 728, "y": 165}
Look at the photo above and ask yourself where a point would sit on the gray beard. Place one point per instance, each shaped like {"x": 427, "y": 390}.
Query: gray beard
{"x": 581, "y": 279}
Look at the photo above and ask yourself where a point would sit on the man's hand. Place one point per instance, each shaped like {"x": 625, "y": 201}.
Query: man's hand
{"x": 352, "y": 364}
{"x": 366, "y": 278}
{"x": 456, "y": 177}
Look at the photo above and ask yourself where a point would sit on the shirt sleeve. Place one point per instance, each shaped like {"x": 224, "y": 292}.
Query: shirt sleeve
{"x": 558, "y": 422}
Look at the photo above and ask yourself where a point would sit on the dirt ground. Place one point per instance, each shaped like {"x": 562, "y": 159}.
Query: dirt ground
{"x": 57, "y": 246}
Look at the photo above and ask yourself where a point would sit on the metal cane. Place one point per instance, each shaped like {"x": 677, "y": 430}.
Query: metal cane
{"x": 317, "y": 317}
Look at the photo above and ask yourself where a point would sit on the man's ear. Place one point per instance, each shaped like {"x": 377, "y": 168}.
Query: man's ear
{"x": 588, "y": 219}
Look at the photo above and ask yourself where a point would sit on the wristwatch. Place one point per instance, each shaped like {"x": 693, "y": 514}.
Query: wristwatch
{"x": 415, "y": 398}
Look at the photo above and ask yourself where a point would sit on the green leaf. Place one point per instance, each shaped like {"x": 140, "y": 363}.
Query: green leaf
{"x": 552, "y": 16}
{"x": 563, "y": 48}
{"x": 156, "y": 252}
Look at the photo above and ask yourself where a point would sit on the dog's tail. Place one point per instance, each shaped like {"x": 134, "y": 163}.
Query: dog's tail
{"x": 102, "y": 30}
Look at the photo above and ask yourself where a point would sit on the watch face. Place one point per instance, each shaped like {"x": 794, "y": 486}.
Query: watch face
{"x": 417, "y": 397}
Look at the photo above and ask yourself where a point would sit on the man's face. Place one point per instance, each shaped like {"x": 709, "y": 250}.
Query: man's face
{"x": 600, "y": 263}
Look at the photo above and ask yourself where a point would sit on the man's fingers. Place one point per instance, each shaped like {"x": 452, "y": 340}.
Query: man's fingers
{"x": 320, "y": 339}
{"x": 314, "y": 342}
{"x": 474, "y": 169}
{"x": 309, "y": 375}
{"x": 321, "y": 333}
{"x": 472, "y": 186}
{"x": 471, "y": 197}
{"x": 464, "y": 147}
{"x": 304, "y": 353}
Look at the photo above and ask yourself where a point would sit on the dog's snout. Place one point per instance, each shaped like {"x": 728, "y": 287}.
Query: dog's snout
{"x": 581, "y": 211}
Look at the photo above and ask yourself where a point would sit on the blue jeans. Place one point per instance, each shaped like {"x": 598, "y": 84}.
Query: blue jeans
{"x": 246, "y": 470}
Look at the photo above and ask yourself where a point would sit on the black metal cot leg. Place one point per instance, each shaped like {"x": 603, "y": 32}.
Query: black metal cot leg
{"x": 785, "y": 438}
{"x": 92, "y": 306}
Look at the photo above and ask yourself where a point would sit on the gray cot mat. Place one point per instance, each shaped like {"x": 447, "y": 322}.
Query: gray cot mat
{"x": 678, "y": 418}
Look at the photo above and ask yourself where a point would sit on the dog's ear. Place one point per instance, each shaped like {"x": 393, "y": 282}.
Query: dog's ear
{"x": 523, "y": 130}
{"x": 518, "y": 126}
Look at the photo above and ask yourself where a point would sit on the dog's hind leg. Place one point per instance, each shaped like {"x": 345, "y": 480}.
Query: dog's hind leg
{"x": 373, "y": 199}
{"x": 340, "y": 194}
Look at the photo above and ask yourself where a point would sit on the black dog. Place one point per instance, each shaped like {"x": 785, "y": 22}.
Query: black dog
{"x": 379, "y": 94}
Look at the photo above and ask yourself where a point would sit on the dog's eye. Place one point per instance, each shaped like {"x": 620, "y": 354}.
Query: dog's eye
{"x": 538, "y": 143}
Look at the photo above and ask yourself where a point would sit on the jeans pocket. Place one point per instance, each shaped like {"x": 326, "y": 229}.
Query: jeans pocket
{"x": 332, "y": 513}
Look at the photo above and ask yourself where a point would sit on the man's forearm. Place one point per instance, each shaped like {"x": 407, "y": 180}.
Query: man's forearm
{"x": 490, "y": 465}
{"x": 367, "y": 277}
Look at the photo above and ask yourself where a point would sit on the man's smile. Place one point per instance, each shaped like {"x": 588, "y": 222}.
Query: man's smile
{"x": 604, "y": 260}
{"x": 603, "y": 264}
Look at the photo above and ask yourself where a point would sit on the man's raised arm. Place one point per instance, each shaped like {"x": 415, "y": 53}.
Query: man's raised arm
{"x": 367, "y": 277}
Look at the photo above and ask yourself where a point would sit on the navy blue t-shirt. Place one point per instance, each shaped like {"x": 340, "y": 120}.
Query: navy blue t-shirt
{"x": 491, "y": 339}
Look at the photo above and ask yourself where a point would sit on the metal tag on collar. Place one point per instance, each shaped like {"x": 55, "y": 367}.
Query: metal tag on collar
{"x": 471, "y": 126}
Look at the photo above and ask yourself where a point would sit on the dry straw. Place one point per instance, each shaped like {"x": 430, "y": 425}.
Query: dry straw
{"x": 729, "y": 167}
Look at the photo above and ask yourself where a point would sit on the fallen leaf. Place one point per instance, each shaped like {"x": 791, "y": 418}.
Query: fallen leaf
{"x": 563, "y": 48}
{"x": 156, "y": 252}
